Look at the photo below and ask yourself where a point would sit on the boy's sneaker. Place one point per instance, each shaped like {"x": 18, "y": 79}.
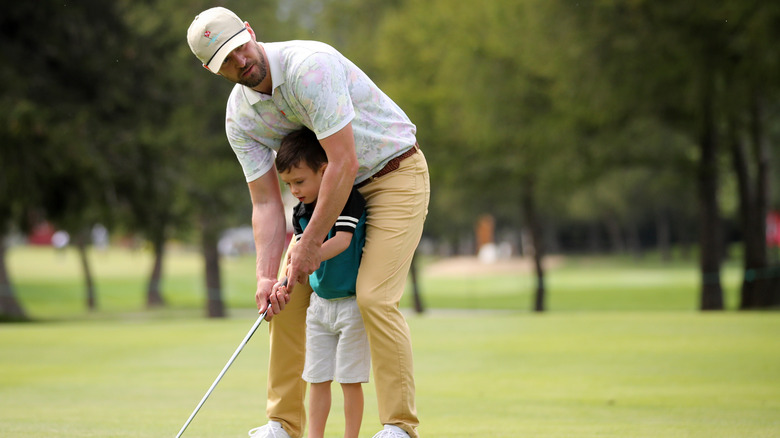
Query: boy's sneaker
{"x": 271, "y": 430}
{"x": 391, "y": 431}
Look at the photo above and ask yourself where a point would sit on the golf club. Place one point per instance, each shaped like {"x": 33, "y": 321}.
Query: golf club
{"x": 227, "y": 365}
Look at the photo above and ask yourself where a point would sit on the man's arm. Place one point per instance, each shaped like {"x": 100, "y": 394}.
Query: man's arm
{"x": 270, "y": 229}
{"x": 336, "y": 185}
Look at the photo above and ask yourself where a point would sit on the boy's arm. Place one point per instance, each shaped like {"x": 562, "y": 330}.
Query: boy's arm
{"x": 336, "y": 244}
{"x": 329, "y": 249}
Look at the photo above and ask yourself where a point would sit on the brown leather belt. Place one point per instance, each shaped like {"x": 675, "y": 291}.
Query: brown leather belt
{"x": 390, "y": 166}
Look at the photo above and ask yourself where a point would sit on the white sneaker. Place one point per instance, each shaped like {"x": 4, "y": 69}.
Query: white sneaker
{"x": 391, "y": 431}
{"x": 271, "y": 430}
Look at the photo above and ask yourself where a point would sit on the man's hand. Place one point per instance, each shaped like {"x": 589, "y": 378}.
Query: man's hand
{"x": 272, "y": 295}
{"x": 305, "y": 258}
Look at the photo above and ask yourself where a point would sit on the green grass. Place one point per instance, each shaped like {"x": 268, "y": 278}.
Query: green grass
{"x": 50, "y": 284}
{"x": 611, "y": 374}
{"x": 582, "y": 284}
{"x": 622, "y": 352}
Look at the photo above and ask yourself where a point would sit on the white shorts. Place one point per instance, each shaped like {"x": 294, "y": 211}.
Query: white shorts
{"x": 336, "y": 342}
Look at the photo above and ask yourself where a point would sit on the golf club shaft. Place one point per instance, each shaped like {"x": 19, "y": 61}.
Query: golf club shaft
{"x": 227, "y": 365}
{"x": 229, "y": 362}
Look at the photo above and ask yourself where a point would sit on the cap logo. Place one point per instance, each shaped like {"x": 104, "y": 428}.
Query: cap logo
{"x": 207, "y": 34}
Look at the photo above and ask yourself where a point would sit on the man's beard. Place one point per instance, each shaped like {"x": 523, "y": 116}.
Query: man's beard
{"x": 257, "y": 76}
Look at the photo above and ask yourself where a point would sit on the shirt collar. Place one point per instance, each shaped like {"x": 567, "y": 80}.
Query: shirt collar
{"x": 275, "y": 67}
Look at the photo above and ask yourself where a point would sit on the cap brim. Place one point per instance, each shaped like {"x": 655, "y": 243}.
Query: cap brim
{"x": 240, "y": 38}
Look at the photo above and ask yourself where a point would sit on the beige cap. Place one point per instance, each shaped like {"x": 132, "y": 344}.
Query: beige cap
{"x": 213, "y": 34}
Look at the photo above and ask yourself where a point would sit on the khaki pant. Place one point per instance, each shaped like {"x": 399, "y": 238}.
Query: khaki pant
{"x": 397, "y": 204}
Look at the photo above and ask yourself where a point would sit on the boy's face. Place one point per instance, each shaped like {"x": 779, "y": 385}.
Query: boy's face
{"x": 304, "y": 182}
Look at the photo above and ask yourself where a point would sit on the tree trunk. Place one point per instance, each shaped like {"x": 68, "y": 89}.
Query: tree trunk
{"x": 748, "y": 297}
{"x": 153, "y": 294}
{"x": 532, "y": 222}
{"x": 10, "y": 309}
{"x": 710, "y": 239}
{"x": 756, "y": 252}
{"x": 215, "y": 307}
{"x": 81, "y": 244}
{"x": 756, "y": 291}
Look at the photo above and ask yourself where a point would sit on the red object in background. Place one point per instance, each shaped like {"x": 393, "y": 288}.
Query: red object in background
{"x": 773, "y": 229}
{"x": 41, "y": 234}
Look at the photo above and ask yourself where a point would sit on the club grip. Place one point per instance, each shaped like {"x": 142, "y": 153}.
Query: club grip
{"x": 284, "y": 283}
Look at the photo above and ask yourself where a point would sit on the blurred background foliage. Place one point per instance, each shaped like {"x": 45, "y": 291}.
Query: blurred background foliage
{"x": 579, "y": 126}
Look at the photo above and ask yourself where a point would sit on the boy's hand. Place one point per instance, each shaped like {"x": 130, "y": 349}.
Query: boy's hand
{"x": 276, "y": 300}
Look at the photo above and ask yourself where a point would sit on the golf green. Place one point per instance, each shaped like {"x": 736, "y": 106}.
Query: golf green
{"x": 478, "y": 374}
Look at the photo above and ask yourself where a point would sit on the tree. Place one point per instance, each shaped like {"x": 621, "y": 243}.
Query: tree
{"x": 751, "y": 77}
{"x": 211, "y": 178}
{"x": 671, "y": 61}
{"x": 152, "y": 174}
{"x": 19, "y": 127}
{"x": 108, "y": 68}
{"x": 59, "y": 116}
{"x": 486, "y": 104}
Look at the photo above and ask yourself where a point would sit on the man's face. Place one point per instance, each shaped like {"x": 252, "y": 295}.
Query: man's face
{"x": 245, "y": 65}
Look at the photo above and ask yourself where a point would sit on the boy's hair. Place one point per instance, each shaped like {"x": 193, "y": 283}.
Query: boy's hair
{"x": 298, "y": 147}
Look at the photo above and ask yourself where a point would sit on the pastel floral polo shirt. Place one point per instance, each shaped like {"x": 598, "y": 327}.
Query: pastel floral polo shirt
{"x": 314, "y": 86}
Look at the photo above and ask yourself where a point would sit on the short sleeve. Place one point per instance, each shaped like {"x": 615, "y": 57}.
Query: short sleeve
{"x": 299, "y": 212}
{"x": 250, "y": 134}
{"x": 352, "y": 212}
{"x": 322, "y": 89}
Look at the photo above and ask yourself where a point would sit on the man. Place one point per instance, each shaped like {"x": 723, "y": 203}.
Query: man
{"x": 370, "y": 143}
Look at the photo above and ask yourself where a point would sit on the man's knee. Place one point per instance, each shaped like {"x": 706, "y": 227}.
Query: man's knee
{"x": 367, "y": 301}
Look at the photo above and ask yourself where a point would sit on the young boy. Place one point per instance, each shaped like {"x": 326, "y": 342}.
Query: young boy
{"x": 336, "y": 343}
